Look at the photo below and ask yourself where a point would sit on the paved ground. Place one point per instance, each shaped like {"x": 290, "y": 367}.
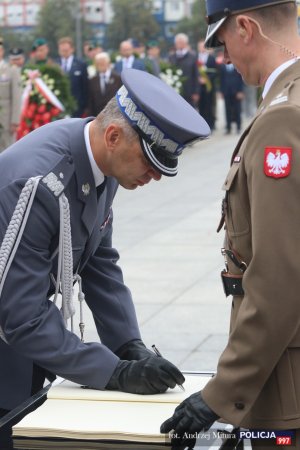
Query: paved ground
{"x": 170, "y": 255}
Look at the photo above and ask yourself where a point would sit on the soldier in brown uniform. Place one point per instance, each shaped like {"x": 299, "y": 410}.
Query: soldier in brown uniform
{"x": 257, "y": 384}
{"x": 10, "y": 101}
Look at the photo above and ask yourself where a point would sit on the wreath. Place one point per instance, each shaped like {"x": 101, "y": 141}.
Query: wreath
{"x": 46, "y": 97}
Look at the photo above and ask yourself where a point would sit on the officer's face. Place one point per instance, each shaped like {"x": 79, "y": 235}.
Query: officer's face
{"x": 131, "y": 168}
{"x": 41, "y": 52}
{"x": 65, "y": 50}
{"x": 237, "y": 52}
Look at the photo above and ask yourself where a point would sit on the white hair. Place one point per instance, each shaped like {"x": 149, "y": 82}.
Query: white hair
{"x": 182, "y": 37}
{"x": 102, "y": 55}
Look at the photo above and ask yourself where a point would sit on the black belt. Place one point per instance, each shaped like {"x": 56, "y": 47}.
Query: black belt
{"x": 232, "y": 284}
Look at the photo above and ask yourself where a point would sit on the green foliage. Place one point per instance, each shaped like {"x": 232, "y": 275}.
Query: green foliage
{"x": 58, "y": 19}
{"x": 195, "y": 26}
{"x": 14, "y": 38}
{"x": 132, "y": 19}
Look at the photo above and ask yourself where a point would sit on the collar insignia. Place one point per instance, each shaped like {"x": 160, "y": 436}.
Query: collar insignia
{"x": 86, "y": 189}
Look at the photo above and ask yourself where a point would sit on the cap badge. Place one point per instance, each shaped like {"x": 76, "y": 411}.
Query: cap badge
{"x": 86, "y": 189}
{"x": 277, "y": 163}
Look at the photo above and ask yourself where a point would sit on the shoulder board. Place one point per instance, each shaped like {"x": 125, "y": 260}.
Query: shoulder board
{"x": 58, "y": 179}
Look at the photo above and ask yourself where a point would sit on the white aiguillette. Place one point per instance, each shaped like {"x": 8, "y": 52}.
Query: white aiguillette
{"x": 71, "y": 412}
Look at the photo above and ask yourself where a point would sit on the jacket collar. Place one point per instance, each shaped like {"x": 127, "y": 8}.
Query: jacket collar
{"x": 278, "y": 89}
{"x": 86, "y": 189}
{"x": 281, "y": 83}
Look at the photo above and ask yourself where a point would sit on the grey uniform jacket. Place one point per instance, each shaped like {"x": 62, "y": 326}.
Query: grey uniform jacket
{"x": 32, "y": 324}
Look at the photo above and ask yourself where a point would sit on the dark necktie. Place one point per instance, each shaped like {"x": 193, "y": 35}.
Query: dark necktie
{"x": 101, "y": 188}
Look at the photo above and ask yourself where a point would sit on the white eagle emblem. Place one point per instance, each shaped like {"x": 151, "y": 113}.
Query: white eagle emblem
{"x": 277, "y": 162}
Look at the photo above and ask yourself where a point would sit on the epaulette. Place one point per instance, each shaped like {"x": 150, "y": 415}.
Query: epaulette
{"x": 290, "y": 91}
{"x": 58, "y": 179}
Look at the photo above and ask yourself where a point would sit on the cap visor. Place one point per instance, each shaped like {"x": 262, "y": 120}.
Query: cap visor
{"x": 211, "y": 40}
{"x": 164, "y": 165}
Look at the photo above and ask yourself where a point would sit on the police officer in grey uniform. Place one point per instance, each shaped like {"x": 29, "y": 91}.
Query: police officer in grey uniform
{"x": 57, "y": 188}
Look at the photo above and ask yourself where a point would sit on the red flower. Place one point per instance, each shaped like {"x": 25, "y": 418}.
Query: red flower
{"x": 35, "y": 125}
{"x": 54, "y": 111}
{"x": 42, "y": 108}
{"x": 46, "y": 117}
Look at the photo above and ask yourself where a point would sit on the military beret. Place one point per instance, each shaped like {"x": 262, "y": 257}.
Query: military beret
{"x": 219, "y": 10}
{"x": 38, "y": 43}
{"x": 15, "y": 52}
{"x": 151, "y": 44}
{"x": 164, "y": 121}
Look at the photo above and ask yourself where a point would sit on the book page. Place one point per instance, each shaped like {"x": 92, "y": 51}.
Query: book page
{"x": 69, "y": 390}
{"x": 74, "y": 413}
{"x": 82, "y": 419}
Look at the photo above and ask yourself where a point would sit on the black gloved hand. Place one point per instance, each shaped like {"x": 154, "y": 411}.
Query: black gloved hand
{"x": 134, "y": 349}
{"x": 191, "y": 416}
{"x": 146, "y": 376}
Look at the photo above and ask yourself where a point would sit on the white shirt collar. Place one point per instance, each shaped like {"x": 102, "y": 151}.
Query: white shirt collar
{"x": 128, "y": 62}
{"x": 98, "y": 175}
{"x": 107, "y": 74}
{"x": 68, "y": 62}
{"x": 275, "y": 74}
{"x": 203, "y": 57}
{"x": 181, "y": 53}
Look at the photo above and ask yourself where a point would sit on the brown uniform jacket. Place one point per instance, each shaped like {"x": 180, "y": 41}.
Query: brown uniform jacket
{"x": 258, "y": 376}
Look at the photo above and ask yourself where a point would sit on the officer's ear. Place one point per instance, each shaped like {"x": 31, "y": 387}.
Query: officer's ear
{"x": 244, "y": 28}
{"x": 112, "y": 137}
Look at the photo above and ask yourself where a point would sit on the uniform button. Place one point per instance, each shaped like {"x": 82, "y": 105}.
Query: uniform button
{"x": 70, "y": 160}
{"x": 226, "y": 182}
{"x": 239, "y": 406}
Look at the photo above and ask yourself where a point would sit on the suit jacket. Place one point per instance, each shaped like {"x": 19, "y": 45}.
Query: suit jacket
{"x": 138, "y": 63}
{"x": 98, "y": 100}
{"x": 257, "y": 384}
{"x": 79, "y": 85}
{"x": 32, "y": 324}
{"x": 188, "y": 65}
{"x": 231, "y": 81}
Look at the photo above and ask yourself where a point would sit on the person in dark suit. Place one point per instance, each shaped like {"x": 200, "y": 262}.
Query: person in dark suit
{"x": 56, "y": 228}
{"x": 186, "y": 60}
{"x": 104, "y": 85}
{"x": 208, "y": 72}
{"x": 127, "y": 58}
{"x": 76, "y": 70}
{"x": 231, "y": 87}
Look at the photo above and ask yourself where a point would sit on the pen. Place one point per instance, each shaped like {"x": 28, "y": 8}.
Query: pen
{"x": 157, "y": 352}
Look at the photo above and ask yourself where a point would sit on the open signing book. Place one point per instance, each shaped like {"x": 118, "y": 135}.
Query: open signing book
{"x": 73, "y": 412}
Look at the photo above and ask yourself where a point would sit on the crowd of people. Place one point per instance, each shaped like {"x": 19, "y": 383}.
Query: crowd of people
{"x": 95, "y": 78}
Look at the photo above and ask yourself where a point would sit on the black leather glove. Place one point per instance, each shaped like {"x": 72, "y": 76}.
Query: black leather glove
{"x": 146, "y": 376}
{"x": 134, "y": 349}
{"x": 191, "y": 416}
